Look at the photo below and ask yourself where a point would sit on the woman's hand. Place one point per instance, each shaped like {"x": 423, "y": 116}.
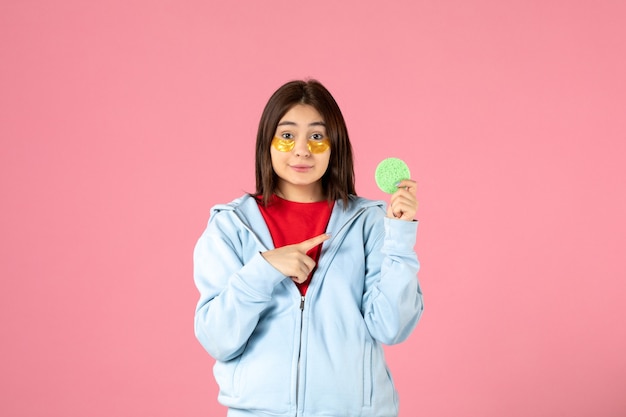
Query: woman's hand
{"x": 292, "y": 260}
{"x": 403, "y": 203}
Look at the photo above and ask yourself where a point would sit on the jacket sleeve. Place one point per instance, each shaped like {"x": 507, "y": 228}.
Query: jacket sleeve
{"x": 234, "y": 291}
{"x": 393, "y": 302}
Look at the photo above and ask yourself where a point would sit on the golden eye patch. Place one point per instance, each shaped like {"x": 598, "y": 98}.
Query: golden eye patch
{"x": 283, "y": 145}
{"x": 315, "y": 146}
{"x": 319, "y": 146}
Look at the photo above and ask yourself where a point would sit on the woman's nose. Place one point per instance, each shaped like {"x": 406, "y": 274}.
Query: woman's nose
{"x": 302, "y": 148}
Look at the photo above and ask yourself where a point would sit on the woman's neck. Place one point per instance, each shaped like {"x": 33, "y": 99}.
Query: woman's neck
{"x": 301, "y": 194}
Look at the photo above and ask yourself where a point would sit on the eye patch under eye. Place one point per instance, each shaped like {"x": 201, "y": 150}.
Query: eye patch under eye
{"x": 286, "y": 145}
{"x": 319, "y": 146}
{"x": 283, "y": 145}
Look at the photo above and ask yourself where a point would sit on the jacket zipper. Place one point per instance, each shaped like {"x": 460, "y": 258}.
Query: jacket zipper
{"x": 299, "y": 353}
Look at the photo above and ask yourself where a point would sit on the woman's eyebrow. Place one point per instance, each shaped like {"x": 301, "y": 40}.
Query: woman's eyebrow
{"x": 288, "y": 123}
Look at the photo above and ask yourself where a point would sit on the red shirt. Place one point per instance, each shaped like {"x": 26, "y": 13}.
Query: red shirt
{"x": 290, "y": 223}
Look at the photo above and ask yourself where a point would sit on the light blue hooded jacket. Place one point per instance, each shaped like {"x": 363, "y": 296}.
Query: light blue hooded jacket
{"x": 279, "y": 354}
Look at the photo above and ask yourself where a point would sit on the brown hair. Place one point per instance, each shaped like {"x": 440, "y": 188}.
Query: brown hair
{"x": 338, "y": 180}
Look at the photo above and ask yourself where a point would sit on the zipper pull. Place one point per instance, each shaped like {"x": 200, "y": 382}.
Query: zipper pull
{"x": 302, "y": 302}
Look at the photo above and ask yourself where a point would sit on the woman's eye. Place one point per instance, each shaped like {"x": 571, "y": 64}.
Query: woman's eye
{"x": 286, "y": 135}
{"x": 317, "y": 136}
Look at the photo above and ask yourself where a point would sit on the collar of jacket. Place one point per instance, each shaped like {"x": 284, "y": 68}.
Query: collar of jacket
{"x": 247, "y": 210}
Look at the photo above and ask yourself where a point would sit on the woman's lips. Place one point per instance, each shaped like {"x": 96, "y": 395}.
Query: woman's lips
{"x": 301, "y": 168}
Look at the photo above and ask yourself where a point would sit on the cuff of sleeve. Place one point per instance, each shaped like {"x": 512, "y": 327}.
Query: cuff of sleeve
{"x": 258, "y": 278}
{"x": 400, "y": 235}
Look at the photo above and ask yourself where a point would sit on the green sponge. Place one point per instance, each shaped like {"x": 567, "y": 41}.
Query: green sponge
{"x": 389, "y": 172}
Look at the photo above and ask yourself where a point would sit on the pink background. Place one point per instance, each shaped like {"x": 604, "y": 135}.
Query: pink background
{"x": 122, "y": 122}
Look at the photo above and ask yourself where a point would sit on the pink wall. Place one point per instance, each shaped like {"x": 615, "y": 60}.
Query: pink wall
{"x": 122, "y": 122}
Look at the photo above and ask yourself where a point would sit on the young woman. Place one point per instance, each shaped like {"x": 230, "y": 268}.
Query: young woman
{"x": 302, "y": 282}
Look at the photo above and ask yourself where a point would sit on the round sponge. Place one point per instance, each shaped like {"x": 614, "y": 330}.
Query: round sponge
{"x": 389, "y": 171}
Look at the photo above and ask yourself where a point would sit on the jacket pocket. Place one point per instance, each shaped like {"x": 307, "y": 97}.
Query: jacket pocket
{"x": 225, "y": 376}
{"x": 236, "y": 376}
{"x": 367, "y": 374}
{"x": 262, "y": 377}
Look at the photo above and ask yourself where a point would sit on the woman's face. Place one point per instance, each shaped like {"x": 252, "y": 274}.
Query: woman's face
{"x": 300, "y": 154}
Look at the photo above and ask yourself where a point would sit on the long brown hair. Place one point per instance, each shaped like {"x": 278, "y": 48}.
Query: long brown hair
{"x": 338, "y": 180}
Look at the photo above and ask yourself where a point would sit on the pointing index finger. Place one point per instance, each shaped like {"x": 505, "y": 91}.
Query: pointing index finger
{"x": 309, "y": 244}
